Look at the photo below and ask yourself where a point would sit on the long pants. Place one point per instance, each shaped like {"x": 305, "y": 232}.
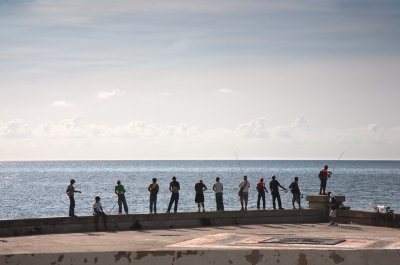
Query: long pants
{"x": 174, "y": 199}
{"x": 220, "y": 201}
{"x": 96, "y": 220}
{"x": 71, "y": 205}
{"x": 296, "y": 198}
{"x": 261, "y": 195}
{"x": 153, "y": 203}
{"x": 122, "y": 200}
{"x": 274, "y": 197}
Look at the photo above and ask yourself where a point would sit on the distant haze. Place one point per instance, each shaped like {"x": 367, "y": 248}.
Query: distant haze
{"x": 126, "y": 79}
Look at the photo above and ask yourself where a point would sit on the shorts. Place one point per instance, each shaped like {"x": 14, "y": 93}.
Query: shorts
{"x": 199, "y": 198}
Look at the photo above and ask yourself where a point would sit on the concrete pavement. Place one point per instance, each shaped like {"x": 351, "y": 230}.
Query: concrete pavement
{"x": 210, "y": 245}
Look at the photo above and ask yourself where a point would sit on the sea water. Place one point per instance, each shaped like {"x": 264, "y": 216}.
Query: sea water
{"x": 37, "y": 189}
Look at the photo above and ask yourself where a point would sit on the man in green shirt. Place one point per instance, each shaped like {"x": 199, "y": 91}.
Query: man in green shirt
{"x": 120, "y": 191}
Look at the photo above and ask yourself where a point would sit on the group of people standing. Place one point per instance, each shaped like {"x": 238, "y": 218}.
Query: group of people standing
{"x": 174, "y": 187}
{"x": 274, "y": 186}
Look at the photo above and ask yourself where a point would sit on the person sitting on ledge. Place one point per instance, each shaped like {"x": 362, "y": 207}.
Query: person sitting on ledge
{"x": 97, "y": 212}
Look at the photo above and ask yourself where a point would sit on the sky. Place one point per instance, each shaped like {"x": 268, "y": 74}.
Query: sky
{"x": 154, "y": 79}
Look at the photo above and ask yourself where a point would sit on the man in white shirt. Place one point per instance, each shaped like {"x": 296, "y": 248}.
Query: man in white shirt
{"x": 218, "y": 188}
{"x": 244, "y": 193}
{"x": 97, "y": 212}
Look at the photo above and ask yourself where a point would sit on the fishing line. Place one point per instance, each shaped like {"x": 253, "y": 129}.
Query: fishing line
{"x": 333, "y": 168}
{"x": 237, "y": 159}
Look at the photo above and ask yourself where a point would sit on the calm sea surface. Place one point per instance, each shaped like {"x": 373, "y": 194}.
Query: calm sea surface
{"x": 34, "y": 189}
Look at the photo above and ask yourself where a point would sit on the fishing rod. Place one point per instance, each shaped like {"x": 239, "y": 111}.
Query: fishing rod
{"x": 86, "y": 180}
{"x": 237, "y": 159}
{"x": 333, "y": 168}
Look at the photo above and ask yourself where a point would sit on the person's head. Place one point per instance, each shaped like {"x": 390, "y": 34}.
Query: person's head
{"x": 173, "y": 178}
{"x": 97, "y": 198}
{"x": 245, "y": 177}
{"x": 217, "y": 179}
{"x": 72, "y": 181}
{"x": 330, "y": 194}
{"x": 118, "y": 182}
{"x": 273, "y": 177}
{"x": 201, "y": 181}
{"x": 326, "y": 167}
{"x": 296, "y": 178}
{"x": 261, "y": 179}
{"x": 154, "y": 180}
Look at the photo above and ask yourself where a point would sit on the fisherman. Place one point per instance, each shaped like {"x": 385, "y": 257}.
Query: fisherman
{"x": 274, "y": 188}
{"x": 324, "y": 174}
{"x": 97, "y": 212}
{"x": 244, "y": 193}
{"x": 218, "y": 188}
{"x": 294, "y": 188}
{"x": 153, "y": 189}
{"x": 71, "y": 192}
{"x": 199, "y": 199}
{"x": 174, "y": 188}
{"x": 261, "y": 193}
{"x": 120, "y": 191}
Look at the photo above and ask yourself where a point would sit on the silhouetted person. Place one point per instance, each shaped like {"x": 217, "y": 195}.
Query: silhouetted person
{"x": 219, "y": 188}
{"x": 97, "y": 212}
{"x": 274, "y": 188}
{"x": 244, "y": 193}
{"x": 261, "y": 193}
{"x": 174, "y": 188}
{"x": 120, "y": 191}
{"x": 324, "y": 174}
{"x": 199, "y": 199}
{"x": 153, "y": 189}
{"x": 294, "y": 188}
{"x": 71, "y": 192}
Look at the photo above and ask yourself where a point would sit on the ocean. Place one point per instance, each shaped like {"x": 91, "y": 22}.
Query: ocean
{"x": 37, "y": 188}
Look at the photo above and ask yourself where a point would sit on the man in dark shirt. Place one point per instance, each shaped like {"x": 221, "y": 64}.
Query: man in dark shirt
{"x": 174, "y": 188}
{"x": 153, "y": 189}
{"x": 274, "y": 187}
{"x": 294, "y": 187}
{"x": 199, "y": 199}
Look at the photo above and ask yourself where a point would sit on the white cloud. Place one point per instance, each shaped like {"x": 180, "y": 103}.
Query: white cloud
{"x": 108, "y": 94}
{"x": 226, "y": 91}
{"x": 61, "y": 104}
{"x": 255, "y": 128}
{"x": 254, "y": 138}
{"x": 15, "y": 129}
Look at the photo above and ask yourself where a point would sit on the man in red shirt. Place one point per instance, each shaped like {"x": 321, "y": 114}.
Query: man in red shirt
{"x": 324, "y": 174}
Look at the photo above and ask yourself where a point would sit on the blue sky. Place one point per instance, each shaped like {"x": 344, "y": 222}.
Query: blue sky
{"x": 197, "y": 80}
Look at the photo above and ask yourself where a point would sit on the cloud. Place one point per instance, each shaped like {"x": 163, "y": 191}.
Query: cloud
{"x": 226, "y": 91}
{"x": 15, "y": 129}
{"x": 108, "y": 94}
{"x": 257, "y": 127}
{"x": 61, "y": 104}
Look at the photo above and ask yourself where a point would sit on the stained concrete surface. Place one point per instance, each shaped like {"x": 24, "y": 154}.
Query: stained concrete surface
{"x": 208, "y": 245}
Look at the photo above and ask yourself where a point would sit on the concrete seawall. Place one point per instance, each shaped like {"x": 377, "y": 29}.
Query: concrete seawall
{"x": 156, "y": 221}
{"x": 282, "y": 237}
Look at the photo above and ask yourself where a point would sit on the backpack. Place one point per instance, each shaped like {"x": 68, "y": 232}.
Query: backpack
{"x": 320, "y": 175}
